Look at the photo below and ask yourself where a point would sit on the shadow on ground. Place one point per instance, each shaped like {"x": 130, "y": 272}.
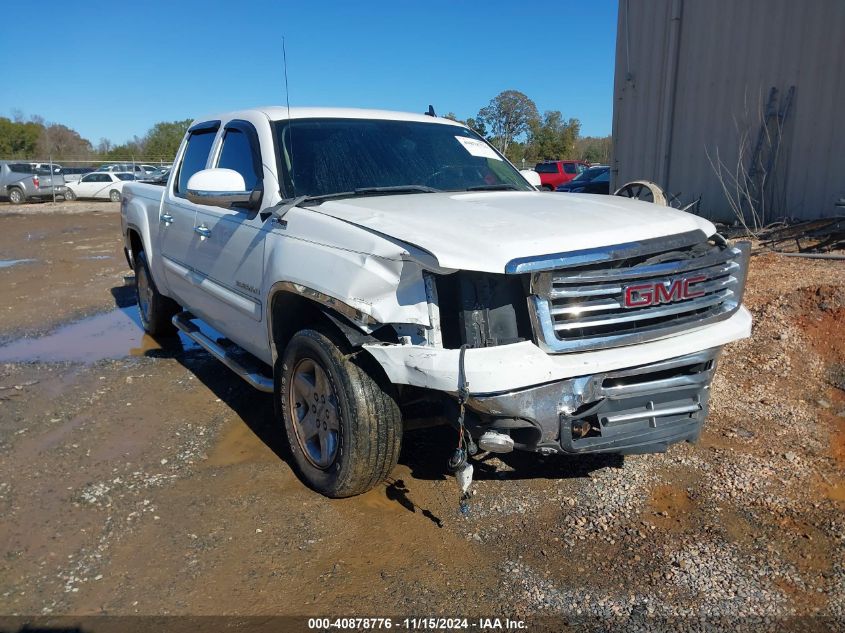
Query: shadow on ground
{"x": 424, "y": 451}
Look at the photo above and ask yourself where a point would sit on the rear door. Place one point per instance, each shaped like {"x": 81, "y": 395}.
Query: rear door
{"x": 90, "y": 185}
{"x": 178, "y": 243}
{"x": 230, "y": 256}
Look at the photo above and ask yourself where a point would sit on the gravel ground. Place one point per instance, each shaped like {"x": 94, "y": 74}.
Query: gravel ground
{"x": 148, "y": 480}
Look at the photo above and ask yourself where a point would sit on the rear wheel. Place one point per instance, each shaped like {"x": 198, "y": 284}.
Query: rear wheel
{"x": 155, "y": 309}
{"x": 114, "y": 195}
{"x": 342, "y": 421}
{"x": 16, "y": 196}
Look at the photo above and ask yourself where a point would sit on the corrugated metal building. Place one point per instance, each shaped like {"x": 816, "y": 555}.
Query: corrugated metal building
{"x": 693, "y": 78}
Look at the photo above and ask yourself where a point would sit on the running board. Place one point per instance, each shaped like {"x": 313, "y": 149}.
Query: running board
{"x": 184, "y": 322}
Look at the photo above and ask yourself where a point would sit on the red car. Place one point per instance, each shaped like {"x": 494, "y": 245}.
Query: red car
{"x": 556, "y": 172}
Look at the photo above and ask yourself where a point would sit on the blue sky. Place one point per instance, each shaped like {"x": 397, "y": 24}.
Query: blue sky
{"x": 119, "y": 67}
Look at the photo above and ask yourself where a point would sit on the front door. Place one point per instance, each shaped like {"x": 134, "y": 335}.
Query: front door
{"x": 230, "y": 254}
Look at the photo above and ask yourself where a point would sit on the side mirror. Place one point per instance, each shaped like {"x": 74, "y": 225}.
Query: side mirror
{"x": 221, "y": 187}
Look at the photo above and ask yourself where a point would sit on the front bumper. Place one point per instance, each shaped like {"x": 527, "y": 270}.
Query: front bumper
{"x": 505, "y": 368}
{"x": 636, "y": 410}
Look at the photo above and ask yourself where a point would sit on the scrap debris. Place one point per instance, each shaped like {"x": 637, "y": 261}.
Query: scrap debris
{"x": 815, "y": 239}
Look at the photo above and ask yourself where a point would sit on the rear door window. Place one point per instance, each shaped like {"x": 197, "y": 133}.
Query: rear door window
{"x": 569, "y": 168}
{"x": 196, "y": 157}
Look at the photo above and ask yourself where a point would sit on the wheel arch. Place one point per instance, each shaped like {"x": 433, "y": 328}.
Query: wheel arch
{"x": 292, "y": 307}
{"x": 135, "y": 244}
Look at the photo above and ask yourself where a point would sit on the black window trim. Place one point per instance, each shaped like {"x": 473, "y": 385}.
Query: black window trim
{"x": 205, "y": 127}
{"x": 248, "y": 129}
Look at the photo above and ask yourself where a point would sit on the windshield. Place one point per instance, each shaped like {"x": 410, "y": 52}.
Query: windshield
{"x": 321, "y": 157}
{"x": 589, "y": 174}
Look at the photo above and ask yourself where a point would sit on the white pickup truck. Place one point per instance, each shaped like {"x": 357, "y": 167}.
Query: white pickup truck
{"x": 363, "y": 264}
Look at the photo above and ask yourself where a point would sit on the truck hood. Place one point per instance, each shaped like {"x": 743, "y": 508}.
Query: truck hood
{"x": 483, "y": 231}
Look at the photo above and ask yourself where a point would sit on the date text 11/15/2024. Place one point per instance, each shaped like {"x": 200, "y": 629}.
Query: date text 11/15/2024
{"x": 417, "y": 624}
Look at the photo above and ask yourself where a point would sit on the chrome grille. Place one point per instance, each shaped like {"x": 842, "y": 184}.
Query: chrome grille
{"x": 583, "y": 306}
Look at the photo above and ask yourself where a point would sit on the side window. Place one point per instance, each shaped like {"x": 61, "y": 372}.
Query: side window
{"x": 569, "y": 168}
{"x": 196, "y": 155}
{"x": 91, "y": 178}
{"x": 237, "y": 154}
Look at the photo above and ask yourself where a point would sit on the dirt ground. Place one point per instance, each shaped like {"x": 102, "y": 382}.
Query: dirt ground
{"x": 140, "y": 477}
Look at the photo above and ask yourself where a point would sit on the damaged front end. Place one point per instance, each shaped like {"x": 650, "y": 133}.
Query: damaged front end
{"x": 602, "y": 350}
{"x": 637, "y": 410}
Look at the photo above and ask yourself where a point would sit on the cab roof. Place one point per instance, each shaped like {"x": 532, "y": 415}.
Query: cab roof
{"x": 281, "y": 113}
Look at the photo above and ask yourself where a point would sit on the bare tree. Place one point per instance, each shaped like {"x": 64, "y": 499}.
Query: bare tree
{"x": 749, "y": 181}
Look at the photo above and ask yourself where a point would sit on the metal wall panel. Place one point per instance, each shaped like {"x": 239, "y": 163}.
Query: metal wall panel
{"x": 729, "y": 54}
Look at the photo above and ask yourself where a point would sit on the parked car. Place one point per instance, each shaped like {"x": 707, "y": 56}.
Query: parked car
{"x": 531, "y": 176}
{"x": 592, "y": 180}
{"x": 72, "y": 174}
{"x": 395, "y": 261}
{"x": 556, "y": 172}
{"x": 56, "y": 168}
{"x": 137, "y": 168}
{"x": 158, "y": 177}
{"x": 20, "y": 182}
{"x": 99, "y": 184}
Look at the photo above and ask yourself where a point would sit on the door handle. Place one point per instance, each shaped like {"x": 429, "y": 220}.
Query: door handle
{"x": 167, "y": 219}
{"x": 203, "y": 231}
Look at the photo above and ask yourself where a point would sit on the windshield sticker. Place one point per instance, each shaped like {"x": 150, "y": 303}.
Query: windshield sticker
{"x": 477, "y": 148}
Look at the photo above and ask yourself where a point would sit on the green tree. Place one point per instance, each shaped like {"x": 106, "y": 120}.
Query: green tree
{"x": 477, "y": 125}
{"x": 594, "y": 149}
{"x": 508, "y": 115}
{"x": 163, "y": 139}
{"x": 18, "y": 138}
{"x": 553, "y": 138}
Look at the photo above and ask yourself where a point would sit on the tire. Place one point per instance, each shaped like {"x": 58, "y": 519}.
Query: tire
{"x": 358, "y": 444}
{"x": 114, "y": 195}
{"x": 69, "y": 195}
{"x": 155, "y": 309}
{"x": 16, "y": 195}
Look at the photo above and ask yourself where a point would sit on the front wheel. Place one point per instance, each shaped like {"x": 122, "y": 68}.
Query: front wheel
{"x": 69, "y": 195}
{"x": 342, "y": 421}
{"x": 114, "y": 195}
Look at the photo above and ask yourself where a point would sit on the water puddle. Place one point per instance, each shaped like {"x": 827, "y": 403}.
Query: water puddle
{"x": 114, "y": 334}
{"x": 8, "y": 263}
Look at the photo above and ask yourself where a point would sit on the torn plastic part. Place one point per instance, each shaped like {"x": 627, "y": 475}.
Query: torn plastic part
{"x": 434, "y": 334}
{"x": 464, "y": 478}
{"x": 521, "y": 365}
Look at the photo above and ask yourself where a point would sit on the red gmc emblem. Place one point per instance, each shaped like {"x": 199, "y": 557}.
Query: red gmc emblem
{"x": 655, "y": 293}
